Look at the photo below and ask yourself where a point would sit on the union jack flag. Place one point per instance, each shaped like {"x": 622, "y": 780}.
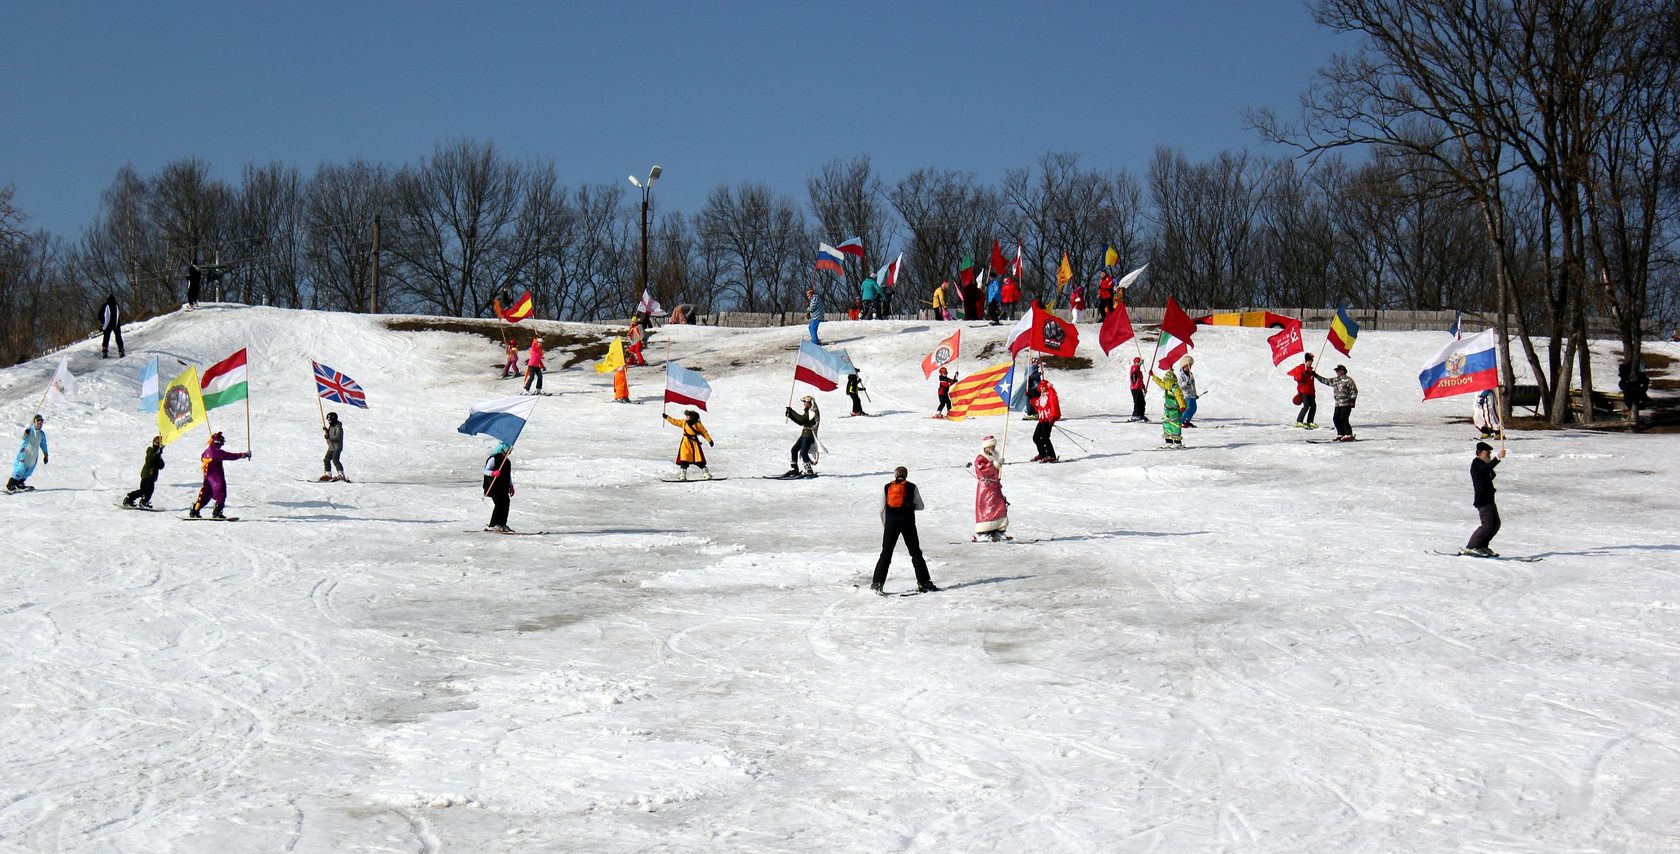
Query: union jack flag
{"x": 336, "y": 387}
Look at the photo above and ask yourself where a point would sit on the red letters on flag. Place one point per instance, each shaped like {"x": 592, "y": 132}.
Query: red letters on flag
{"x": 1286, "y": 343}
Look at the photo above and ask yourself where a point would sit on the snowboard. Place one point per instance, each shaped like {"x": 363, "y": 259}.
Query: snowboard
{"x": 1517, "y": 558}
{"x": 509, "y": 533}
{"x": 990, "y": 542}
{"x": 209, "y": 519}
{"x": 690, "y": 480}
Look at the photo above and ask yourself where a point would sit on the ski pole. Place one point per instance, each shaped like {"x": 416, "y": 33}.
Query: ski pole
{"x": 1070, "y": 437}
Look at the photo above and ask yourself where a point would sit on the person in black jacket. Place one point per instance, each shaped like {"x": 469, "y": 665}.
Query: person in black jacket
{"x": 110, "y": 322}
{"x": 498, "y": 486}
{"x": 899, "y": 502}
{"x": 1481, "y": 480}
{"x": 149, "y": 470}
{"x": 334, "y": 433}
{"x": 854, "y": 385}
{"x": 195, "y": 280}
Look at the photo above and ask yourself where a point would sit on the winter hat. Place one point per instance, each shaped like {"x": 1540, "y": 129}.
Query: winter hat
{"x": 988, "y": 442}
{"x": 333, "y": 417}
{"x": 1341, "y": 369}
{"x": 1483, "y": 446}
{"x": 1137, "y": 360}
{"x": 807, "y": 399}
{"x": 215, "y": 438}
{"x": 501, "y": 448}
{"x": 1188, "y": 361}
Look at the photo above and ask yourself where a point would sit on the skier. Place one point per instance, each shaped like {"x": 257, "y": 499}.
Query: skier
{"x": 334, "y": 431}
{"x": 1137, "y": 390}
{"x": 1346, "y": 395}
{"x": 1076, "y": 300}
{"x": 1486, "y": 415}
{"x": 805, "y": 447}
{"x": 689, "y": 452}
{"x": 1035, "y": 372}
{"x": 871, "y": 294}
{"x": 110, "y": 322}
{"x": 1049, "y": 412}
{"x": 854, "y": 385}
{"x": 215, "y": 480}
{"x": 945, "y": 382}
{"x": 34, "y": 448}
{"x": 814, "y": 310}
{"x": 1481, "y": 482}
{"x": 621, "y": 384}
{"x": 195, "y": 278}
{"x": 940, "y": 312}
{"x": 1172, "y": 406}
{"x": 1011, "y": 295}
{"x": 994, "y": 300}
{"x": 1187, "y": 386}
{"x": 637, "y": 338}
{"x": 991, "y": 509}
{"x": 510, "y": 368}
{"x": 1306, "y": 394}
{"x": 1105, "y": 296}
{"x": 534, "y": 365}
{"x": 498, "y": 486}
{"x": 899, "y": 502}
{"x": 149, "y": 470}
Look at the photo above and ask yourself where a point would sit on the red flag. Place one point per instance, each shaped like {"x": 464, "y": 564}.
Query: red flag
{"x": 1015, "y": 266}
{"x": 520, "y": 309}
{"x": 943, "y": 354}
{"x": 998, "y": 268}
{"x": 1116, "y": 329}
{"x": 1051, "y": 334}
{"x": 1176, "y": 323}
{"x": 1287, "y": 342}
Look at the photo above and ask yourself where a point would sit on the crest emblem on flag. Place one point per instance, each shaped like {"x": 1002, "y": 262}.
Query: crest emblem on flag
{"x": 1454, "y": 364}
{"x": 1053, "y": 335}
{"x": 177, "y": 406}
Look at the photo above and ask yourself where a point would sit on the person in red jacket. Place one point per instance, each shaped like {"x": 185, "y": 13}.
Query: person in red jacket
{"x": 1137, "y": 389}
{"x": 945, "y": 382}
{"x": 534, "y": 365}
{"x": 1076, "y": 299}
{"x": 1011, "y": 294}
{"x": 1105, "y": 296}
{"x": 1306, "y": 394}
{"x": 1049, "y": 407}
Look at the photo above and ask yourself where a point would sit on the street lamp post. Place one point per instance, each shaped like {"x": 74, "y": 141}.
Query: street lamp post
{"x": 647, "y": 190}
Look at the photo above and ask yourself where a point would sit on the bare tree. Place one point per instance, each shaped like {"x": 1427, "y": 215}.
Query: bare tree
{"x": 340, "y": 206}
{"x": 265, "y": 245}
{"x": 950, "y": 216}
{"x": 848, "y": 200}
{"x": 767, "y": 256}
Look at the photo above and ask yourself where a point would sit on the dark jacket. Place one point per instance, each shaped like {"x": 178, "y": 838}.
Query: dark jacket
{"x": 153, "y": 464}
{"x": 907, "y": 513}
{"x": 335, "y": 435}
{"x": 853, "y": 384}
{"x": 110, "y": 316}
{"x": 809, "y": 422}
{"x": 1481, "y": 478}
{"x": 495, "y": 484}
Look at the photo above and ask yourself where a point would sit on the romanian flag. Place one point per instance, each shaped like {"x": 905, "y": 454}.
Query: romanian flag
{"x": 520, "y": 309}
{"x": 828, "y": 258}
{"x": 1343, "y": 331}
{"x": 976, "y": 394}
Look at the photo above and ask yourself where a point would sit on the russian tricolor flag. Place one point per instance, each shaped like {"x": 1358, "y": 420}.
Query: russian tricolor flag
{"x": 1463, "y": 366}
{"x": 828, "y": 258}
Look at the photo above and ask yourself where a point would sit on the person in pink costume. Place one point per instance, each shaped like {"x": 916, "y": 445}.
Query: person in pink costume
{"x": 215, "y": 480}
{"x": 991, "y": 509}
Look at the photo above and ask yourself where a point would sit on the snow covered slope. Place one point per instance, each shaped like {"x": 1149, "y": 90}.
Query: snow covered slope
{"x": 1241, "y": 646}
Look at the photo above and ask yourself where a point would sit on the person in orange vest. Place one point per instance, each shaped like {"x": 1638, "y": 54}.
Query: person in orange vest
{"x": 534, "y": 366}
{"x": 900, "y": 500}
{"x": 637, "y": 338}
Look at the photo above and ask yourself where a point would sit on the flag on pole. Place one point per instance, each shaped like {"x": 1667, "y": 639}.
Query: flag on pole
{"x": 62, "y": 383}
{"x": 685, "y": 386}
{"x": 828, "y": 258}
{"x": 852, "y": 246}
{"x": 887, "y": 276}
{"x": 336, "y": 387}
{"x": 1116, "y": 329}
{"x": 503, "y": 418}
{"x": 1176, "y": 322}
{"x": 149, "y": 394}
{"x": 977, "y": 394}
{"x": 1457, "y": 330}
{"x": 224, "y": 382}
{"x": 1286, "y": 342}
{"x": 649, "y": 307}
{"x": 1011, "y": 392}
{"x": 1110, "y": 255}
{"x": 942, "y": 355}
{"x": 180, "y": 406}
{"x": 1173, "y": 349}
{"x": 820, "y": 368}
{"x": 1127, "y": 280}
{"x": 1064, "y": 273}
{"x": 614, "y": 358}
{"x": 965, "y": 272}
{"x": 1343, "y": 331}
{"x": 998, "y": 263}
{"x": 1463, "y": 366}
{"x": 520, "y": 309}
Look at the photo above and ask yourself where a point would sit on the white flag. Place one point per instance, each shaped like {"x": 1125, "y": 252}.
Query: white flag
{"x": 649, "y": 306}
{"x": 63, "y": 382}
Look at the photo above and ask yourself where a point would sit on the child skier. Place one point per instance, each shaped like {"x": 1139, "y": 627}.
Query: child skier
{"x": 1172, "y": 407}
{"x": 805, "y": 447}
{"x": 991, "y": 509}
{"x": 510, "y": 368}
{"x": 900, "y": 500}
{"x": 534, "y": 365}
{"x": 334, "y": 432}
{"x": 1187, "y": 387}
{"x": 621, "y": 385}
{"x": 854, "y": 385}
{"x": 1137, "y": 387}
{"x": 689, "y": 452}
{"x": 498, "y": 486}
{"x": 33, "y": 449}
{"x": 149, "y": 470}
{"x": 1486, "y": 415}
{"x": 215, "y": 480}
{"x": 1049, "y": 412}
{"x": 945, "y": 381}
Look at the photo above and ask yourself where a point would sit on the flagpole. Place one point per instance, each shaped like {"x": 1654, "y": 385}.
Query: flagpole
{"x": 1007, "y": 412}
{"x": 1120, "y": 300}
{"x": 1498, "y": 403}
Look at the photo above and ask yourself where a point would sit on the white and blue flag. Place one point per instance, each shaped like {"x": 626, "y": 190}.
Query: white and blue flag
{"x": 502, "y": 418}
{"x": 149, "y": 386}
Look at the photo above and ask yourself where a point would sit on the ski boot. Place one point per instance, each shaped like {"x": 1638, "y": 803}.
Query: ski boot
{"x": 193, "y": 513}
{"x": 878, "y": 589}
{"x": 682, "y": 474}
{"x": 809, "y": 471}
{"x": 706, "y": 474}
{"x": 927, "y": 588}
{"x": 793, "y": 471}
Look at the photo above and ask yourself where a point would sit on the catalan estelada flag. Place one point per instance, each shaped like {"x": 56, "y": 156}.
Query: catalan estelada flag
{"x": 976, "y": 394}
{"x": 1343, "y": 331}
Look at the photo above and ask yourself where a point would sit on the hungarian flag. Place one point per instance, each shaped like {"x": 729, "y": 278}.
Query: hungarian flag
{"x": 520, "y": 309}
{"x": 1044, "y": 332}
{"x": 820, "y": 368}
{"x": 224, "y": 382}
{"x": 1116, "y": 329}
{"x": 976, "y": 394}
{"x": 965, "y": 273}
{"x": 685, "y": 386}
{"x": 180, "y": 406}
{"x": 1286, "y": 342}
{"x": 998, "y": 263}
{"x": 942, "y": 355}
{"x": 853, "y": 246}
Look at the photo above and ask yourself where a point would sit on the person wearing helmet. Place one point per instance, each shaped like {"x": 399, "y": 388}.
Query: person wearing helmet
{"x": 214, "y": 488}
{"x": 854, "y": 386}
{"x": 805, "y": 448}
{"x": 498, "y": 486}
{"x": 945, "y": 383}
{"x": 689, "y": 452}
{"x": 991, "y": 509}
{"x": 1137, "y": 387}
{"x": 1035, "y": 372}
{"x": 334, "y": 431}
{"x": 149, "y": 470}
{"x": 32, "y": 451}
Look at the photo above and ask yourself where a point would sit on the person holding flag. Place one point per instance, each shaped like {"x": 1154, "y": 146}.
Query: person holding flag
{"x": 1172, "y": 407}
{"x": 333, "y": 430}
{"x": 510, "y": 368}
{"x": 1481, "y": 485}
{"x": 32, "y": 451}
{"x": 991, "y": 509}
{"x": 498, "y": 486}
{"x": 503, "y": 420}
{"x": 804, "y": 448}
{"x": 689, "y": 452}
{"x": 214, "y": 487}
{"x": 636, "y": 338}
{"x": 1346, "y": 395}
{"x": 1306, "y": 393}
{"x": 945, "y": 381}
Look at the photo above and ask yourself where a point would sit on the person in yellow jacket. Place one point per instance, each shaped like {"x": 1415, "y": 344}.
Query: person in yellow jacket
{"x": 1172, "y": 409}
{"x": 689, "y": 452}
{"x": 939, "y": 312}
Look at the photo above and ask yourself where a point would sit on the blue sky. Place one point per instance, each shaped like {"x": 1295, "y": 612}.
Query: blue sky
{"x": 714, "y": 92}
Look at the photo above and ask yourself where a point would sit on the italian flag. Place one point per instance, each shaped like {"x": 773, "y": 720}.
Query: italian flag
{"x": 224, "y": 382}
{"x": 1172, "y": 348}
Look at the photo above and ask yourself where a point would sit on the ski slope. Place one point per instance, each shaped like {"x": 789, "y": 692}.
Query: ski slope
{"x": 1243, "y": 646}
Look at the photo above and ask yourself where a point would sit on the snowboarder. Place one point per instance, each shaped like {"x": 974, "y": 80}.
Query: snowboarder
{"x": 1346, "y": 395}
{"x": 1172, "y": 407}
{"x": 1486, "y": 414}
{"x": 945, "y": 382}
{"x": 215, "y": 480}
{"x": 900, "y": 500}
{"x": 854, "y": 385}
{"x": 689, "y": 452}
{"x": 1187, "y": 386}
{"x": 33, "y": 449}
{"x": 1306, "y": 394}
{"x": 510, "y": 368}
{"x": 1137, "y": 390}
{"x": 334, "y": 432}
{"x": 1481, "y": 482}
{"x": 991, "y": 509}
{"x": 806, "y": 446}
{"x": 195, "y": 279}
{"x": 498, "y": 486}
{"x": 110, "y": 322}
{"x": 814, "y": 311}
{"x": 149, "y": 471}
{"x": 1049, "y": 412}
{"x": 534, "y": 365}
